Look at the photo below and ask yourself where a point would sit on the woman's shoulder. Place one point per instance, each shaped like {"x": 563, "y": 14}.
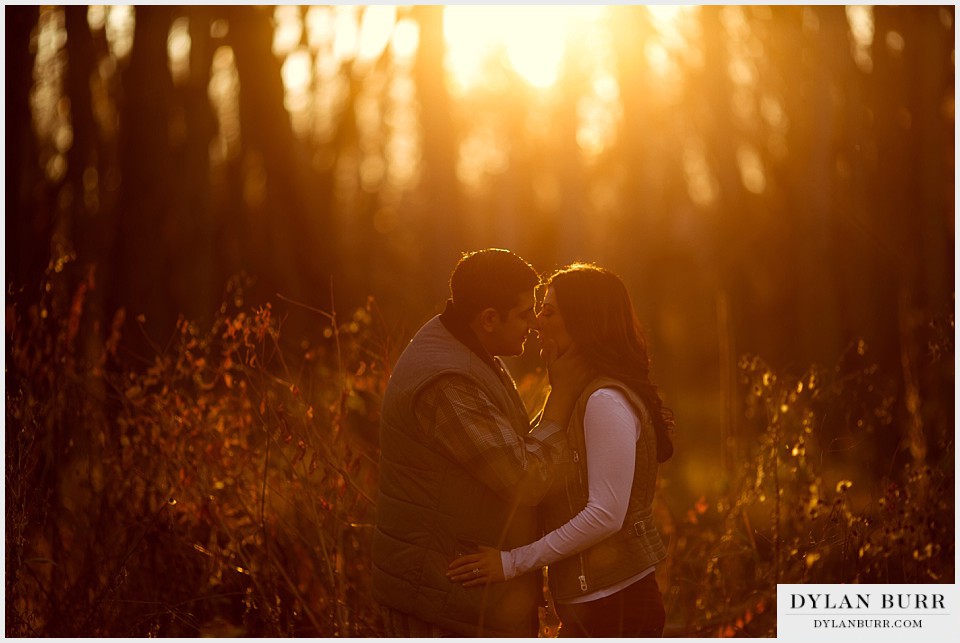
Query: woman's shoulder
{"x": 613, "y": 395}
{"x": 608, "y": 408}
{"x": 608, "y": 392}
{"x": 609, "y": 395}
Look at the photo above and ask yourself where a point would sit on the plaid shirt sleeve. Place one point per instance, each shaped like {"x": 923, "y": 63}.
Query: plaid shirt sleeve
{"x": 469, "y": 428}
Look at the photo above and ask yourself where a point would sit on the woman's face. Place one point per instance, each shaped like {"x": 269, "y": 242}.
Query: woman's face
{"x": 554, "y": 338}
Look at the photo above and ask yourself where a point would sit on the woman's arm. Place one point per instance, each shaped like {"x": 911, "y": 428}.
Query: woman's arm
{"x": 611, "y": 430}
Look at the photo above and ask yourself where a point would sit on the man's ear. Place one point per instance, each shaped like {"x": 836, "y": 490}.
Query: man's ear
{"x": 488, "y": 318}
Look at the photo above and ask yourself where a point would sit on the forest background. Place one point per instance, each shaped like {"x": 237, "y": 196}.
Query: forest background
{"x": 224, "y": 222}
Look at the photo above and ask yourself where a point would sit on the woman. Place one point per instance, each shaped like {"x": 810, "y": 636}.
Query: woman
{"x": 602, "y": 546}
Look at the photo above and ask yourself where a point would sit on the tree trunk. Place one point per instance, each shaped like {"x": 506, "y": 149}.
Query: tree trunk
{"x": 200, "y": 280}
{"x": 444, "y": 237}
{"x": 142, "y": 267}
{"x": 27, "y": 226}
{"x": 291, "y": 246}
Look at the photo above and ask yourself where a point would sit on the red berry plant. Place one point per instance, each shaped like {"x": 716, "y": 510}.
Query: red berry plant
{"x": 839, "y": 475}
{"x": 223, "y": 487}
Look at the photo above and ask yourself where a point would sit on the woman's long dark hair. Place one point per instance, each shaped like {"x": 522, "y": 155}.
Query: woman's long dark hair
{"x": 600, "y": 318}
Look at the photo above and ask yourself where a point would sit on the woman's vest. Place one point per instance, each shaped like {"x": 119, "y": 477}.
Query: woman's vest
{"x": 431, "y": 510}
{"x": 637, "y": 545}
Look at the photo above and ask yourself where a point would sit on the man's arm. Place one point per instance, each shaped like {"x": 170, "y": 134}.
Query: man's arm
{"x": 473, "y": 432}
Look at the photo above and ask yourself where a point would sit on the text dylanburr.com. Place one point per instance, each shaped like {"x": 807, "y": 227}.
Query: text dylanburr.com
{"x": 882, "y": 612}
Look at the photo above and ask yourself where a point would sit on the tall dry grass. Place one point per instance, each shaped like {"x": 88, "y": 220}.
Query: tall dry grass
{"x": 226, "y": 484}
{"x": 832, "y": 484}
{"x": 225, "y": 488}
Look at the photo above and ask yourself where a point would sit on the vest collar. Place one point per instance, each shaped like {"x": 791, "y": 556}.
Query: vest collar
{"x": 454, "y": 322}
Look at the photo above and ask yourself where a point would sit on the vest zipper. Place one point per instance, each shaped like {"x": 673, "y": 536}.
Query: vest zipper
{"x": 576, "y": 459}
{"x": 583, "y": 577}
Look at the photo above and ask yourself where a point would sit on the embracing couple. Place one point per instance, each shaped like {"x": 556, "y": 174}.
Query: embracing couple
{"x": 475, "y": 499}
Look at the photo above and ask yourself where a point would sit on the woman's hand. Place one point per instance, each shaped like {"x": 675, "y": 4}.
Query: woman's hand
{"x": 483, "y": 568}
{"x": 569, "y": 374}
{"x": 548, "y": 350}
{"x": 568, "y": 371}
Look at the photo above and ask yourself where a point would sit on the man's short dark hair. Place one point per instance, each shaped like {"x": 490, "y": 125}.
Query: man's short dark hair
{"x": 491, "y": 278}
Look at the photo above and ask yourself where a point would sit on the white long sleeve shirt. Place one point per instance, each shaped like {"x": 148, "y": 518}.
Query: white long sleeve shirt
{"x": 611, "y": 429}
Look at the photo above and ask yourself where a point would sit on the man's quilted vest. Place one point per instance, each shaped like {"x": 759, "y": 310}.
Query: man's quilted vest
{"x": 431, "y": 510}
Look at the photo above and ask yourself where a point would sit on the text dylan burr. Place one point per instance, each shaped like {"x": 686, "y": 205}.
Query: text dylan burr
{"x": 867, "y": 601}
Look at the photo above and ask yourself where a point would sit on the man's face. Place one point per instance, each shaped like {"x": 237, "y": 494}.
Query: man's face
{"x": 511, "y": 331}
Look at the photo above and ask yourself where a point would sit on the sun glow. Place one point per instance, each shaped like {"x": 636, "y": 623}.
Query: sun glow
{"x": 530, "y": 40}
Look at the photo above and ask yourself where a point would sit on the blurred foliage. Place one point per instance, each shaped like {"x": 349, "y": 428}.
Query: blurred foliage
{"x": 775, "y": 185}
{"x": 228, "y": 486}
{"x": 224, "y": 489}
{"x": 779, "y": 158}
{"x": 804, "y": 505}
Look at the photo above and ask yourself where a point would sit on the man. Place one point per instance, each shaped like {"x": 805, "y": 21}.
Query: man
{"x": 459, "y": 466}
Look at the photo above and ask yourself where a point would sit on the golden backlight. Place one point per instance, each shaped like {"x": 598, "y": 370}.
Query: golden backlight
{"x": 531, "y": 40}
